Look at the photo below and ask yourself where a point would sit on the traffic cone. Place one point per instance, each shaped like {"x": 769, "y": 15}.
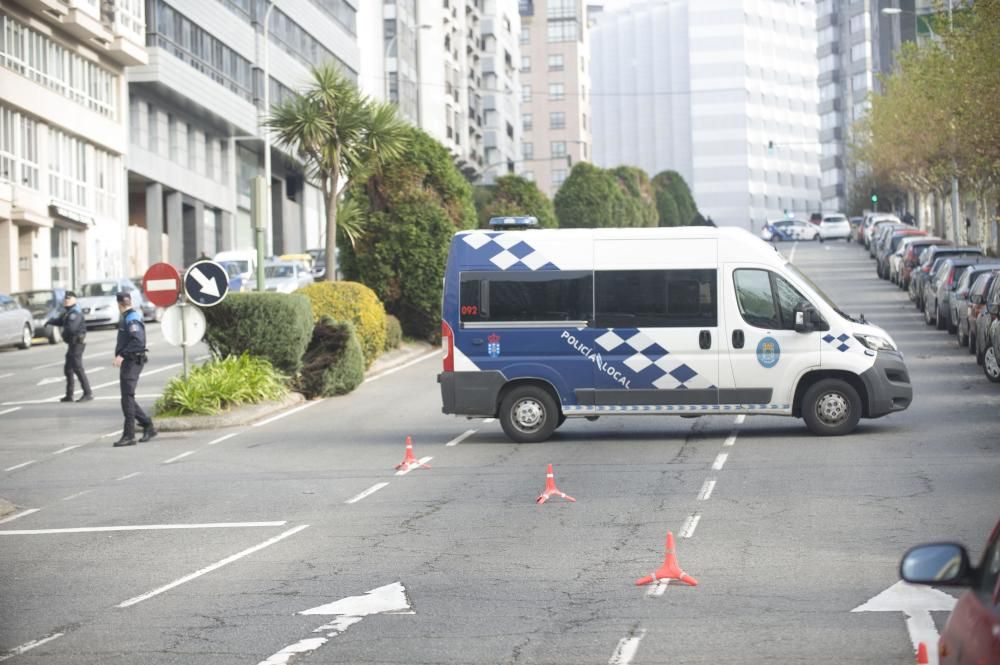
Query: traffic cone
{"x": 922, "y": 658}
{"x": 670, "y": 570}
{"x": 550, "y": 488}
{"x": 409, "y": 461}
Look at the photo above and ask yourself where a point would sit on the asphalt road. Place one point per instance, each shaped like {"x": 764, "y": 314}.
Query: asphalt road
{"x": 246, "y": 528}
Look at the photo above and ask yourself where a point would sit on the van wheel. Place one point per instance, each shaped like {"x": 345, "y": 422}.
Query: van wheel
{"x": 991, "y": 364}
{"x": 26, "y": 336}
{"x": 528, "y": 414}
{"x": 831, "y": 407}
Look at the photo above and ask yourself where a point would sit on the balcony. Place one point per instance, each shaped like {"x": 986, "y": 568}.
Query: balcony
{"x": 128, "y": 25}
{"x": 84, "y": 20}
{"x": 53, "y": 8}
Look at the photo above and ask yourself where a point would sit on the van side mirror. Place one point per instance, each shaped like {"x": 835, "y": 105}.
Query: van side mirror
{"x": 807, "y": 319}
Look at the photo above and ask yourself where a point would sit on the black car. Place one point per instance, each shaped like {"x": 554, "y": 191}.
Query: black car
{"x": 938, "y": 290}
{"x": 43, "y": 304}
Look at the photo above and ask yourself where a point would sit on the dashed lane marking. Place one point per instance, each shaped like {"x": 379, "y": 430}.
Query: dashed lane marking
{"x": 222, "y": 438}
{"x": 141, "y": 527}
{"x": 706, "y": 490}
{"x": 6, "y": 411}
{"x": 720, "y": 461}
{"x": 627, "y": 648}
{"x": 740, "y": 419}
{"x": 180, "y": 457}
{"x": 28, "y": 646}
{"x": 419, "y": 359}
{"x": 19, "y": 515}
{"x": 286, "y": 413}
{"x": 690, "y": 524}
{"x": 67, "y": 449}
{"x": 422, "y": 460}
{"x": 460, "y": 438}
{"x": 368, "y": 492}
{"x": 130, "y": 475}
{"x": 20, "y": 466}
{"x": 730, "y": 440}
{"x": 77, "y": 495}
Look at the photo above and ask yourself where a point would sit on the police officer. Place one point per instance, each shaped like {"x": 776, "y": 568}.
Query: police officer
{"x": 74, "y": 333}
{"x": 130, "y": 356}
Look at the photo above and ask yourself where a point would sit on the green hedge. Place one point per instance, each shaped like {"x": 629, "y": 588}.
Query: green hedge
{"x": 220, "y": 384}
{"x": 275, "y": 326}
{"x": 354, "y": 302}
{"x": 393, "y": 332}
{"x": 334, "y": 363}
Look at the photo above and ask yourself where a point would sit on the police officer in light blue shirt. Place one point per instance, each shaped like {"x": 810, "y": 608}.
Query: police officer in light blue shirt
{"x": 130, "y": 356}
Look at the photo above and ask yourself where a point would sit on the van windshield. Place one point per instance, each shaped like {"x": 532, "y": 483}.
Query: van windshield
{"x": 818, "y": 291}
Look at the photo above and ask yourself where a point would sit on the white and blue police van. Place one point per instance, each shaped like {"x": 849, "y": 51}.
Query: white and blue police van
{"x": 543, "y": 325}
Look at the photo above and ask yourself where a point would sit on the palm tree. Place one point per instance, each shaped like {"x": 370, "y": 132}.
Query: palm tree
{"x": 341, "y": 136}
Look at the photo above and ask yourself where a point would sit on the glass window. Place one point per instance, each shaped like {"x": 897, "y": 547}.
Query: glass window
{"x": 528, "y": 151}
{"x": 525, "y": 35}
{"x": 558, "y": 177}
{"x": 557, "y": 120}
{"x": 556, "y": 62}
{"x": 557, "y": 92}
{"x": 526, "y": 121}
{"x": 562, "y": 31}
{"x": 767, "y": 300}
{"x": 525, "y": 93}
{"x": 525, "y": 63}
{"x": 557, "y": 149}
{"x": 526, "y": 296}
{"x": 655, "y": 298}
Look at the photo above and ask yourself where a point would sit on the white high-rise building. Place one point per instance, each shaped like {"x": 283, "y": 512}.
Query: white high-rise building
{"x": 501, "y": 89}
{"x": 723, "y": 92}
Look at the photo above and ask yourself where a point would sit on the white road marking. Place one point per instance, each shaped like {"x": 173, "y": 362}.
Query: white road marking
{"x": 690, "y": 524}
{"x": 51, "y": 379}
{"x": 19, "y": 515}
{"x": 20, "y": 466}
{"x": 141, "y": 527}
{"x": 118, "y": 397}
{"x": 627, "y": 648}
{"x": 110, "y": 434}
{"x": 420, "y": 359}
{"x": 9, "y": 410}
{"x": 422, "y": 460}
{"x": 791, "y": 255}
{"x": 181, "y": 456}
{"x": 286, "y": 413}
{"x": 706, "y": 490}
{"x": 204, "y": 357}
{"x": 659, "y": 588}
{"x": 222, "y": 438}
{"x": 489, "y": 420}
{"x": 368, "y": 492}
{"x": 66, "y": 449}
{"x": 740, "y": 419}
{"x": 78, "y": 494}
{"x": 144, "y": 374}
{"x": 720, "y": 461}
{"x": 214, "y": 566}
{"x": 7, "y": 375}
{"x": 460, "y": 438}
{"x": 28, "y": 646}
{"x": 131, "y": 475}
{"x": 730, "y": 440}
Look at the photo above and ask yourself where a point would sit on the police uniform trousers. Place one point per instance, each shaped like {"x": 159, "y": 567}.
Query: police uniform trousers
{"x": 74, "y": 367}
{"x": 128, "y": 379}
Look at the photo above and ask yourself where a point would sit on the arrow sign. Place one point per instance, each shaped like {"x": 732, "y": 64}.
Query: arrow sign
{"x": 388, "y": 599}
{"x": 916, "y": 602}
{"x": 207, "y": 284}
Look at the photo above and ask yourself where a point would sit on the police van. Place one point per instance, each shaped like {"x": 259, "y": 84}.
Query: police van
{"x": 543, "y": 325}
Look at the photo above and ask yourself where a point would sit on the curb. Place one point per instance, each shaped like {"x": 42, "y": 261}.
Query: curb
{"x": 245, "y": 415}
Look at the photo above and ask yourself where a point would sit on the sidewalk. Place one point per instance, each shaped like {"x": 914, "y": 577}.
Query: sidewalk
{"x": 244, "y": 415}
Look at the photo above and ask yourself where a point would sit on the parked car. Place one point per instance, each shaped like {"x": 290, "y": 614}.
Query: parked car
{"x": 286, "y": 276}
{"x": 972, "y": 633}
{"x": 789, "y": 229}
{"x": 890, "y": 243}
{"x": 835, "y": 227}
{"x": 977, "y": 305}
{"x": 879, "y": 234}
{"x": 16, "y": 325}
{"x": 932, "y": 259}
{"x": 234, "y": 270}
{"x": 856, "y": 229}
{"x": 959, "y": 302}
{"x": 937, "y": 292}
{"x": 895, "y": 260}
{"x": 816, "y": 218}
{"x": 991, "y": 341}
{"x": 99, "y": 303}
{"x": 245, "y": 260}
{"x": 43, "y": 305}
{"x": 912, "y": 257}
{"x": 984, "y": 322}
{"x": 875, "y": 219}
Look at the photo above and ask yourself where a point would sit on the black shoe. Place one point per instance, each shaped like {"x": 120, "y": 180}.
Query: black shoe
{"x": 124, "y": 441}
{"x": 148, "y": 433}
{"x": 67, "y": 398}
{"x": 85, "y": 398}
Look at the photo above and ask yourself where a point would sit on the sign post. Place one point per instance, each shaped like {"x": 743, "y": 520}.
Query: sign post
{"x": 258, "y": 211}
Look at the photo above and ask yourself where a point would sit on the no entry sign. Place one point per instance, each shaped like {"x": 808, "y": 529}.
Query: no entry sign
{"x": 161, "y": 284}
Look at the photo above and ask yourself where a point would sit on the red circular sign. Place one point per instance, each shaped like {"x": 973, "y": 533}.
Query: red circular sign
{"x": 161, "y": 284}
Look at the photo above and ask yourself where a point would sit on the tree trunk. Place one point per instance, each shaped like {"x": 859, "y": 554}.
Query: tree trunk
{"x": 331, "y": 230}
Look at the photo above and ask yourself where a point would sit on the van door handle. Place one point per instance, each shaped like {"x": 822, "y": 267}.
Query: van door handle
{"x": 705, "y": 339}
{"x": 738, "y": 339}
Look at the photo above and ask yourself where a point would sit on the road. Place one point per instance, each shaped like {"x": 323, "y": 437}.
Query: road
{"x": 245, "y": 528}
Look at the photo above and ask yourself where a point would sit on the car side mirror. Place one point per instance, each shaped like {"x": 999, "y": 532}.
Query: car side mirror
{"x": 940, "y": 564}
{"x": 993, "y": 308}
{"x": 807, "y": 319}
{"x": 976, "y": 300}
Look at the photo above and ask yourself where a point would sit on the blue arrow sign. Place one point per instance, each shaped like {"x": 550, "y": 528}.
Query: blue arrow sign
{"x": 206, "y": 283}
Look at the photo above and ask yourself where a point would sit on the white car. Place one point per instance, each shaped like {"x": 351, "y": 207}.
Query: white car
{"x": 286, "y": 276}
{"x": 835, "y": 227}
{"x": 873, "y": 220}
{"x": 789, "y": 229}
{"x": 99, "y": 301}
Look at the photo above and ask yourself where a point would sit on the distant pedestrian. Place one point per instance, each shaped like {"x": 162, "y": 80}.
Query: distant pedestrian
{"x": 130, "y": 356}
{"x": 908, "y": 218}
{"x": 74, "y": 333}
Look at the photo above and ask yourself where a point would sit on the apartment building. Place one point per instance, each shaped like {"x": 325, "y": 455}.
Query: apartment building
{"x": 555, "y": 90}
{"x": 63, "y": 138}
{"x": 196, "y": 112}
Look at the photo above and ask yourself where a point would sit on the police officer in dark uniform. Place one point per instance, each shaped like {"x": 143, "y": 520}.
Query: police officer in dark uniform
{"x": 74, "y": 333}
{"x": 130, "y": 356}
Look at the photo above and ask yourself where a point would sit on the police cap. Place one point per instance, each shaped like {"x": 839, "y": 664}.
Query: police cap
{"x": 69, "y": 294}
{"x": 124, "y": 297}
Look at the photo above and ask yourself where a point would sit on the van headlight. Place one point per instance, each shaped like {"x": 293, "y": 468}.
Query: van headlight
{"x": 875, "y": 343}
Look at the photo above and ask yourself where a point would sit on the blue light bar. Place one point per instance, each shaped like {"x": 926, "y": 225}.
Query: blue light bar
{"x": 513, "y": 222}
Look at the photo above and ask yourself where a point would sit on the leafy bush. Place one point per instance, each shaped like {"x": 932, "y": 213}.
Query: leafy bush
{"x": 275, "y": 326}
{"x": 393, "y": 332}
{"x": 672, "y": 192}
{"x": 354, "y": 302}
{"x": 334, "y": 363}
{"x": 220, "y": 384}
{"x": 513, "y": 195}
{"x": 589, "y": 198}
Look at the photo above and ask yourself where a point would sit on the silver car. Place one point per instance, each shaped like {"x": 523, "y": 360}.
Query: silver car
{"x": 286, "y": 276}
{"x": 99, "y": 302}
{"x": 16, "y": 324}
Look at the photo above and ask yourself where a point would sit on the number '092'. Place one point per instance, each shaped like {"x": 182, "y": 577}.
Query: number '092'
{"x": 470, "y": 310}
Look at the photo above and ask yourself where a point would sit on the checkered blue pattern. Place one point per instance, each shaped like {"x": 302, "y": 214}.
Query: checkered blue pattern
{"x": 653, "y": 365}
{"x": 507, "y": 251}
{"x": 841, "y": 338}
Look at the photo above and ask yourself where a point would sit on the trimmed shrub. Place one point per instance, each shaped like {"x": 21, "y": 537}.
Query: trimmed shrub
{"x": 393, "y": 332}
{"x": 514, "y": 195}
{"x": 275, "y": 326}
{"x": 220, "y": 384}
{"x": 354, "y": 302}
{"x": 334, "y": 363}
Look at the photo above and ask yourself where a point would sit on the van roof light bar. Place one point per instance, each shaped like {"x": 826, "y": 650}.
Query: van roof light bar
{"x": 513, "y": 223}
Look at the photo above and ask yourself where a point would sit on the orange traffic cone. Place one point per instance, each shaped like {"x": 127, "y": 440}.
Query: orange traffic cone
{"x": 670, "y": 570}
{"x": 409, "y": 461}
{"x": 550, "y": 488}
{"x": 922, "y": 658}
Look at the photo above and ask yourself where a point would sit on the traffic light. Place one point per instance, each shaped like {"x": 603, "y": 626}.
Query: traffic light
{"x": 874, "y": 197}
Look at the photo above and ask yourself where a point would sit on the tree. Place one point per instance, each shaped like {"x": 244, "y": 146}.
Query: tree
{"x": 666, "y": 208}
{"x": 414, "y": 205}
{"x": 588, "y": 198}
{"x": 513, "y": 195}
{"x": 673, "y": 184}
{"x": 639, "y": 203}
{"x": 341, "y": 136}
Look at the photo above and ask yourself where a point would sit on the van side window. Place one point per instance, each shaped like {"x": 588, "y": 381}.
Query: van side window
{"x": 526, "y": 296}
{"x": 766, "y": 300}
{"x": 655, "y": 299}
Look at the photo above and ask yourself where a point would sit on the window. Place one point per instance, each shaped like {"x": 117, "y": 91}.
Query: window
{"x": 528, "y": 151}
{"x": 584, "y": 121}
{"x": 529, "y": 176}
{"x": 655, "y": 298}
{"x": 526, "y": 121}
{"x": 525, "y": 64}
{"x": 556, "y": 62}
{"x": 526, "y": 296}
{"x": 558, "y": 177}
{"x": 766, "y": 300}
{"x": 525, "y": 94}
{"x": 525, "y": 36}
{"x": 557, "y": 149}
{"x": 557, "y": 92}
{"x": 561, "y": 31}
{"x": 561, "y": 9}
{"x": 557, "y": 120}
